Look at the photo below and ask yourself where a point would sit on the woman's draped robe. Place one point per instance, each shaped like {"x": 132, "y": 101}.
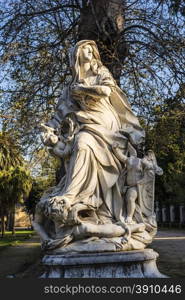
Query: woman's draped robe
{"x": 93, "y": 171}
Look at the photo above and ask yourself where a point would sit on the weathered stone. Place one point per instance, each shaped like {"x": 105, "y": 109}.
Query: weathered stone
{"x": 105, "y": 202}
{"x": 128, "y": 264}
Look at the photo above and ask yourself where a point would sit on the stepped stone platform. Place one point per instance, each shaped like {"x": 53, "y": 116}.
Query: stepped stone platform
{"x": 127, "y": 264}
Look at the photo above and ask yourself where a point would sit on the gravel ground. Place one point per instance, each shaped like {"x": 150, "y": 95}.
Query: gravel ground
{"x": 23, "y": 261}
{"x": 17, "y": 259}
{"x": 170, "y": 245}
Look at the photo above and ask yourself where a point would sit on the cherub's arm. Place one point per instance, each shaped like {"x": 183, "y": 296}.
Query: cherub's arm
{"x": 151, "y": 166}
{"x": 119, "y": 153}
{"x": 158, "y": 170}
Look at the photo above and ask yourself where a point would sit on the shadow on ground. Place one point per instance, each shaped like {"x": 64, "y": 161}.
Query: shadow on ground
{"x": 15, "y": 260}
{"x": 23, "y": 261}
{"x": 170, "y": 245}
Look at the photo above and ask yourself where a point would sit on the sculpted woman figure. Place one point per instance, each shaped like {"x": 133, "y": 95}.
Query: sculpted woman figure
{"x": 86, "y": 210}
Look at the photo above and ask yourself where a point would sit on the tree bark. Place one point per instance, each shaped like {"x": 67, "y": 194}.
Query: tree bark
{"x": 13, "y": 220}
{"x": 2, "y": 225}
{"x": 103, "y": 21}
{"x": 8, "y": 221}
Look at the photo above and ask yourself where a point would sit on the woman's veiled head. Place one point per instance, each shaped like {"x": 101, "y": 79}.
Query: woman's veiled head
{"x": 86, "y": 54}
{"x": 84, "y": 51}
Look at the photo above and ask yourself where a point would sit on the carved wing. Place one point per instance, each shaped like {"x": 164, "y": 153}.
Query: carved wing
{"x": 146, "y": 188}
{"x": 146, "y": 196}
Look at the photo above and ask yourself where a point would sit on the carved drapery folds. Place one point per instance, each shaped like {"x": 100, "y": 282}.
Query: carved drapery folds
{"x": 105, "y": 200}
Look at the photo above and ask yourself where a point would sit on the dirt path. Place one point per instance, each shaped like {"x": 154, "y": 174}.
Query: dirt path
{"x": 16, "y": 259}
{"x": 23, "y": 261}
{"x": 170, "y": 244}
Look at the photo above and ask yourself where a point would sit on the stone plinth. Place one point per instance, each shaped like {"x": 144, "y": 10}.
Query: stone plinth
{"x": 127, "y": 264}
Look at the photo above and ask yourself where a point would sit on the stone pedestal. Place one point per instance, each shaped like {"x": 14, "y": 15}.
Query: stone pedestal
{"x": 127, "y": 264}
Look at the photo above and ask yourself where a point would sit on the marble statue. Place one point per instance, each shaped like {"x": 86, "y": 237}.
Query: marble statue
{"x": 105, "y": 200}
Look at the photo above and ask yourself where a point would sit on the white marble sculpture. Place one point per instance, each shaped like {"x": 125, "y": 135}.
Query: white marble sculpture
{"x": 105, "y": 201}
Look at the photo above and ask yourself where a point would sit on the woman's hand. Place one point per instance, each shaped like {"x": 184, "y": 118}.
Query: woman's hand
{"x": 76, "y": 88}
{"x": 76, "y": 92}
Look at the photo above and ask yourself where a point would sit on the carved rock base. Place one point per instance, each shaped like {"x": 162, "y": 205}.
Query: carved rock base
{"x": 127, "y": 264}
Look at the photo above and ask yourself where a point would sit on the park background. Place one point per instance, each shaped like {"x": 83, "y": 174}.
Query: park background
{"x": 142, "y": 42}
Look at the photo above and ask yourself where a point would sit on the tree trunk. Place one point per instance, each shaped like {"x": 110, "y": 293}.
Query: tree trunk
{"x": 31, "y": 218}
{"x": 10, "y": 221}
{"x": 13, "y": 220}
{"x": 7, "y": 221}
{"x": 103, "y": 21}
{"x": 2, "y": 225}
{"x": 9, "y": 225}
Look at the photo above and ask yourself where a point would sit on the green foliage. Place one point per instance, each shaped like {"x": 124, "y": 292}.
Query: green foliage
{"x": 18, "y": 238}
{"x": 10, "y": 155}
{"x": 39, "y": 185}
{"x": 35, "y": 40}
{"x": 34, "y": 56}
{"x": 5, "y": 191}
{"x": 167, "y": 138}
{"x": 21, "y": 183}
{"x": 176, "y": 6}
{"x": 15, "y": 185}
{"x": 15, "y": 179}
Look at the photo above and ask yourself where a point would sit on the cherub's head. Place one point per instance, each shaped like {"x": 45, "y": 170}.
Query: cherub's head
{"x": 150, "y": 155}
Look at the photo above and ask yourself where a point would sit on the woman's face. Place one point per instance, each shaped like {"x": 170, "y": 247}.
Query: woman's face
{"x": 87, "y": 53}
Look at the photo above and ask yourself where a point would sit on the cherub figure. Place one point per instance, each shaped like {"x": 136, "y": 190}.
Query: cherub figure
{"x": 139, "y": 171}
{"x": 60, "y": 144}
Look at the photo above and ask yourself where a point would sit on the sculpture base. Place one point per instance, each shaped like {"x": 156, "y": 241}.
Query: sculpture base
{"x": 127, "y": 264}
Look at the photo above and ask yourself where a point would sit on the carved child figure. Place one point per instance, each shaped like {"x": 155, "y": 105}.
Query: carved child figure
{"x": 60, "y": 144}
{"x": 137, "y": 170}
